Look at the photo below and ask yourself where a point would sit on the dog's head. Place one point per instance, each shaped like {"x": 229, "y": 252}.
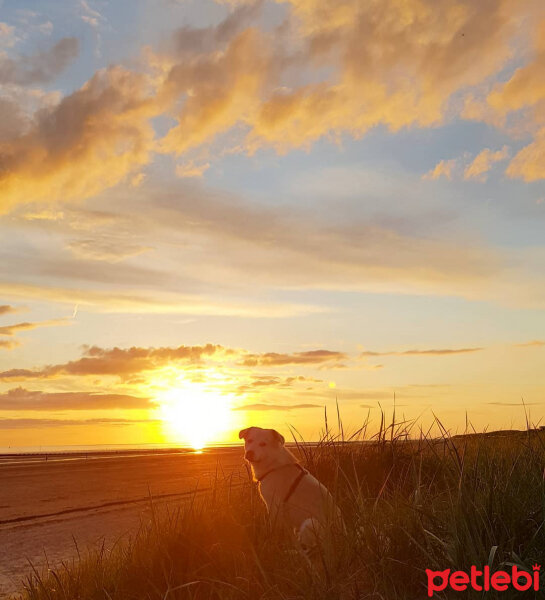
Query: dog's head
{"x": 261, "y": 445}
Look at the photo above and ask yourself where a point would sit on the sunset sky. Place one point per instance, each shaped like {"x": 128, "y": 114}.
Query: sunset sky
{"x": 218, "y": 214}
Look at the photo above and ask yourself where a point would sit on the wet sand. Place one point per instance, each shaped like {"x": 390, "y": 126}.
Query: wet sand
{"x": 49, "y": 509}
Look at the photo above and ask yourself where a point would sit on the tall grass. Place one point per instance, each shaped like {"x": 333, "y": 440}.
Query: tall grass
{"x": 410, "y": 500}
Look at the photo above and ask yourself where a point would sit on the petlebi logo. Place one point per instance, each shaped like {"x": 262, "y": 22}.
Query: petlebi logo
{"x": 500, "y": 581}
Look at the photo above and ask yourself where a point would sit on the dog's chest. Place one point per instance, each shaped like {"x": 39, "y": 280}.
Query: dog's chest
{"x": 304, "y": 501}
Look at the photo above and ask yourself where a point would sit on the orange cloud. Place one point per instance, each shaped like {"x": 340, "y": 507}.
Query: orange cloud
{"x": 88, "y": 142}
{"x": 433, "y": 352}
{"x": 395, "y": 63}
{"x": 140, "y": 301}
{"x": 279, "y": 407}
{"x": 191, "y": 169}
{"x": 119, "y": 362}
{"x": 12, "y": 329}
{"x": 39, "y": 423}
{"x": 330, "y": 69}
{"x": 225, "y": 89}
{"x": 444, "y": 168}
{"x": 21, "y": 399}
{"x": 8, "y": 344}
{"x": 483, "y": 162}
{"x": 274, "y": 359}
{"x": 522, "y": 96}
{"x": 105, "y": 250}
{"x": 529, "y": 163}
{"x": 265, "y": 382}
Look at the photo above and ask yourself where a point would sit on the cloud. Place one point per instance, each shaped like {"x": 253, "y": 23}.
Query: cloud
{"x": 87, "y": 142}
{"x": 483, "y": 162}
{"x": 230, "y": 245}
{"x": 7, "y": 35}
{"x": 256, "y": 85}
{"x": 6, "y": 309}
{"x": 90, "y": 15}
{"x": 393, "y": 63}
{"x": 433, "y": 352}
{"x": 529, "y": 163}
{"x": 126, "y": 362}
{"x": 119, "y": 362}
{"x": 517, "y": 105}
{"x": 278, "y": 407}
{"x": 444, "y": 168}
{"x": 477, "y": 168}
{"x": 42, "y": 67}
{"x": 266, "y": 382}
{"x": 21, "y": 399}
{"x": 12, "y": 329}
{"x": 274, "y": 359}
{"x": 104, "y": 250}
{"x": 40, "y": 423}
{"x": 192, "y": 169}
{"x": 533, "y": 343}
{"x": 326, "y": 71}
{"x": 8, "y": 344}
{"x": 158, "y": 302}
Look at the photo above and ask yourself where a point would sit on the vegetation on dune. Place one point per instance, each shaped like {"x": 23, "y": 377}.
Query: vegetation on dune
{"x": 409, "y": 504}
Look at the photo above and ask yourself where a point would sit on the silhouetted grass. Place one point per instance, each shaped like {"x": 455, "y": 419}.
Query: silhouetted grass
{"x": 411, "y": 501}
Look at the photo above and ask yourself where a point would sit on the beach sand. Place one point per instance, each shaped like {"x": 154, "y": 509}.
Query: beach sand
{"x": 49, "y": 509}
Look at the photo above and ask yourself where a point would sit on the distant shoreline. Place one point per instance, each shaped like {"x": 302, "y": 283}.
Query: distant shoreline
{"x": 83, "y": 451}
{"x": 58, "y": 452}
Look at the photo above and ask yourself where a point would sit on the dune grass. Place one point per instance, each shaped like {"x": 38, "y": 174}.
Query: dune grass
{"x": 410, "y": 502}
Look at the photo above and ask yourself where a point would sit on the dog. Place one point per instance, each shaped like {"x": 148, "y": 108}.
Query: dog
{"x": 292, "y": 495}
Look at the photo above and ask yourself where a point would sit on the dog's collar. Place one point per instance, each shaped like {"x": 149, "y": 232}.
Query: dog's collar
{"x": 295, "y": 483}
{"x": 267, "y": 473}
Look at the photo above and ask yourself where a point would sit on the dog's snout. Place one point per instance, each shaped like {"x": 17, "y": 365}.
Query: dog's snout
{"x": 249, "y": 455}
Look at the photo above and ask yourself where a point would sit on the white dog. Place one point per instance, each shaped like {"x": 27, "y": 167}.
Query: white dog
{"x": 290, "y": 492}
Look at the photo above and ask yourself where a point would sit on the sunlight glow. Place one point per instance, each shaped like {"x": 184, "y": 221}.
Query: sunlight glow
{"x": 193, "y": 413}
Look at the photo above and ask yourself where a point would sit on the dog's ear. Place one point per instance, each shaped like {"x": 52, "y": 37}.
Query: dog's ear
{"x": 278, "y": 437}
{"x": 243, "y": 433}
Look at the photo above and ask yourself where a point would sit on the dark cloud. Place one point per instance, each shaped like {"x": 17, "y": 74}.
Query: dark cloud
{"x": 41, "y": 67}
{"x": 191, "y": 40}
{"x": 22, "y": 399}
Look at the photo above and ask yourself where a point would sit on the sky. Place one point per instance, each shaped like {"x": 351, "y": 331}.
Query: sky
{"x": 233, "y": 213}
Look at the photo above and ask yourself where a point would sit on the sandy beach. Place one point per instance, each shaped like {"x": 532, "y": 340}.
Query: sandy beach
{"x": 51, "y": 508}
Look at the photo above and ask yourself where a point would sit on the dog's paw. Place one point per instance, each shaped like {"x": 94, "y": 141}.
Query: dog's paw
{"x": 310, "y": 535}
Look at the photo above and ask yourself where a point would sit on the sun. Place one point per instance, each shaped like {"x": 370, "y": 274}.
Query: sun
{"x": 194, "y": 414}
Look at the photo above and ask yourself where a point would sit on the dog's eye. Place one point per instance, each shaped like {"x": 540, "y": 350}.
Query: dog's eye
{"x": 262, "y": 444}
